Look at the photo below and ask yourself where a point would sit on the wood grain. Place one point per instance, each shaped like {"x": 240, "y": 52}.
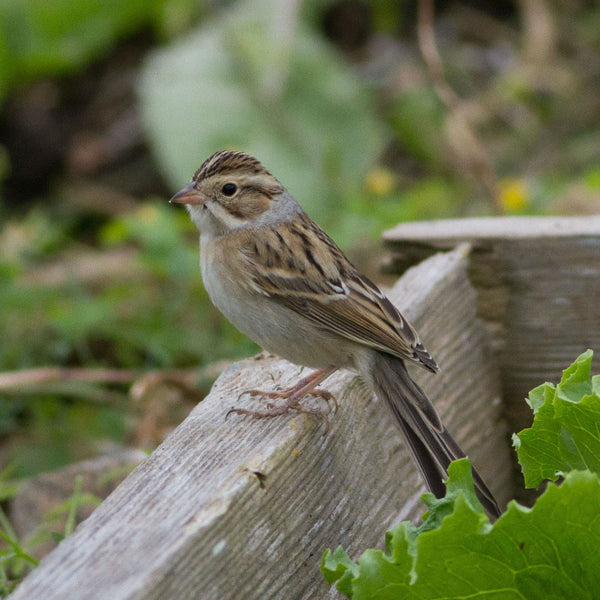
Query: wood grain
{"x": 241, "y": 508}
{"x": 538, "y": 284}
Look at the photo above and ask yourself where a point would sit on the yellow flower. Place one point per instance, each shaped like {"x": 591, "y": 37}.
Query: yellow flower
{"x": 514, "y": 194}
{"x": 379, "y": 181}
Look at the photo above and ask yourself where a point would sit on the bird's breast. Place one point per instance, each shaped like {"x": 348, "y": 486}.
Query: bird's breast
{"x": 273, "y": 326}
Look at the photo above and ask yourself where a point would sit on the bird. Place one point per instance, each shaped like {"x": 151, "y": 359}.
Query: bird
{"x": 276, "y": 275}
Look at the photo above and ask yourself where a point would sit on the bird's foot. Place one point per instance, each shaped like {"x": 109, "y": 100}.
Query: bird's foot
{"x": 292, "y": 396}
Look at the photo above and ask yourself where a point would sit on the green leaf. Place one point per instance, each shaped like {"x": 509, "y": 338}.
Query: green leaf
{"x": 565, "y": 434}
{"x": 575, "y": 382}
{"x": 244, "y": 81}
{"x": 39, "y": 38}
{"x": 549, "y": 551}
{"x": 337, "y": 566}
{"x": 395, "y": 566}
{"x": 537, "y": 396}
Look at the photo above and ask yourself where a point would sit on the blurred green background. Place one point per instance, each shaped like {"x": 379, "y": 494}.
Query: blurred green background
{"x": 107, "y": 108}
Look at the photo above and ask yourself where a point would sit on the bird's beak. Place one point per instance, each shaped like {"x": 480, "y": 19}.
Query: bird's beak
{"x": 188, "y": 195}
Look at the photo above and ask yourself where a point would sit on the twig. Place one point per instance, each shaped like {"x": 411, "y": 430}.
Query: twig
{"x": 19, "y": 379}
{"x": 431, "y": 55}
{"x": 28, "y": 378}
{"x": 539, "y": 34}
{"x": 478, "y": 161}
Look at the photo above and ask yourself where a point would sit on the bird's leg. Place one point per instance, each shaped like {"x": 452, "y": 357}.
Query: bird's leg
{"x": 292, "y": 395}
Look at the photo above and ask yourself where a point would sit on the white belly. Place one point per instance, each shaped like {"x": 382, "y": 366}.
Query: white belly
{"x": 273, "y": 326}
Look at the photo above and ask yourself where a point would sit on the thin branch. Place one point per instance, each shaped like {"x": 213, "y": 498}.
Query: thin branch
{"x": 431, "y": 56}
{"x": 25, "y": 380}
{"x": 18, "y": 379}
{"x": 476, "y": 155}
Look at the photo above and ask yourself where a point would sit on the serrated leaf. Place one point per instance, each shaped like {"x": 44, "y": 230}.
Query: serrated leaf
{"x": 549, "y": 551}
{"x": 565, "y": 434}
{"x": 236, "y": 82}
{"x": 337, "y": 566}
{"x": 537, "y": 396}
{"x": 575, "y": 382}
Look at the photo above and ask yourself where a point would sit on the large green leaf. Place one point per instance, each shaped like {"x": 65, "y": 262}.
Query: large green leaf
{"x": 565, "y": 434}
{"x": 250, "y": 81}
{"x": 549, "y": 551}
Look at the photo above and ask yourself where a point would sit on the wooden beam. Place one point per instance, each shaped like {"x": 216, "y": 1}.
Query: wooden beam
{"x": 538, "y": 284}
{"x": 241, "y": 508}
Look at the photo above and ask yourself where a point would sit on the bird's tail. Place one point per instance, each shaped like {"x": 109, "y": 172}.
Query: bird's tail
{"x": 430, "y": 444}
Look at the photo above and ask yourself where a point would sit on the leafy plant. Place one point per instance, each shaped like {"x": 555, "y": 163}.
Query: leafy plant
{"x": 135, "y": 316}
{"x": 149, "y": 313}
{"x": 16, "y": 558}
{"x": 548, "y": 551}
{"x": 39, "y": 38}
{"x": 417, "y": 118}
{"x": 565, "y": 434}
{"x": 252, "y": 80}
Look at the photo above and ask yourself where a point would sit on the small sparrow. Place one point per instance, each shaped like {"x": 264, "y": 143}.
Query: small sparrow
{"x": 281, "y": 280}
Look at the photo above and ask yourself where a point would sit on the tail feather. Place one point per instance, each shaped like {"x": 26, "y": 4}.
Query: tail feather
{"x": 432, "y": 447}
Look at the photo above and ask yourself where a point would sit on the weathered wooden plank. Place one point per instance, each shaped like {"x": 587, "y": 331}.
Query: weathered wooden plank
{"x": 39, "y": 495}
{"x": 241, "y": 508}
{"x": 538, "y": 282}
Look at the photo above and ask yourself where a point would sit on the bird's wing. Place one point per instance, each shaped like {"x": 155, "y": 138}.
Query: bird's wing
{"x": 309, "y": 274}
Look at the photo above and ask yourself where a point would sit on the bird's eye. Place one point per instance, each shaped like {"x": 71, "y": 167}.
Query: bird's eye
{"x": 229, "y": 189}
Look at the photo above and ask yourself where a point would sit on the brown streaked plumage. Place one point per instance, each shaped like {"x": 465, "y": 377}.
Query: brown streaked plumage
{"x": 228, "y": 162}
{"x": 277, "y": 276}
{"x": 239, "y": 167}
{"x": 332, "y": 293}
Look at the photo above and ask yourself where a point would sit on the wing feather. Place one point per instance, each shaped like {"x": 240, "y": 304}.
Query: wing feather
{"x": 309, "y": 274}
